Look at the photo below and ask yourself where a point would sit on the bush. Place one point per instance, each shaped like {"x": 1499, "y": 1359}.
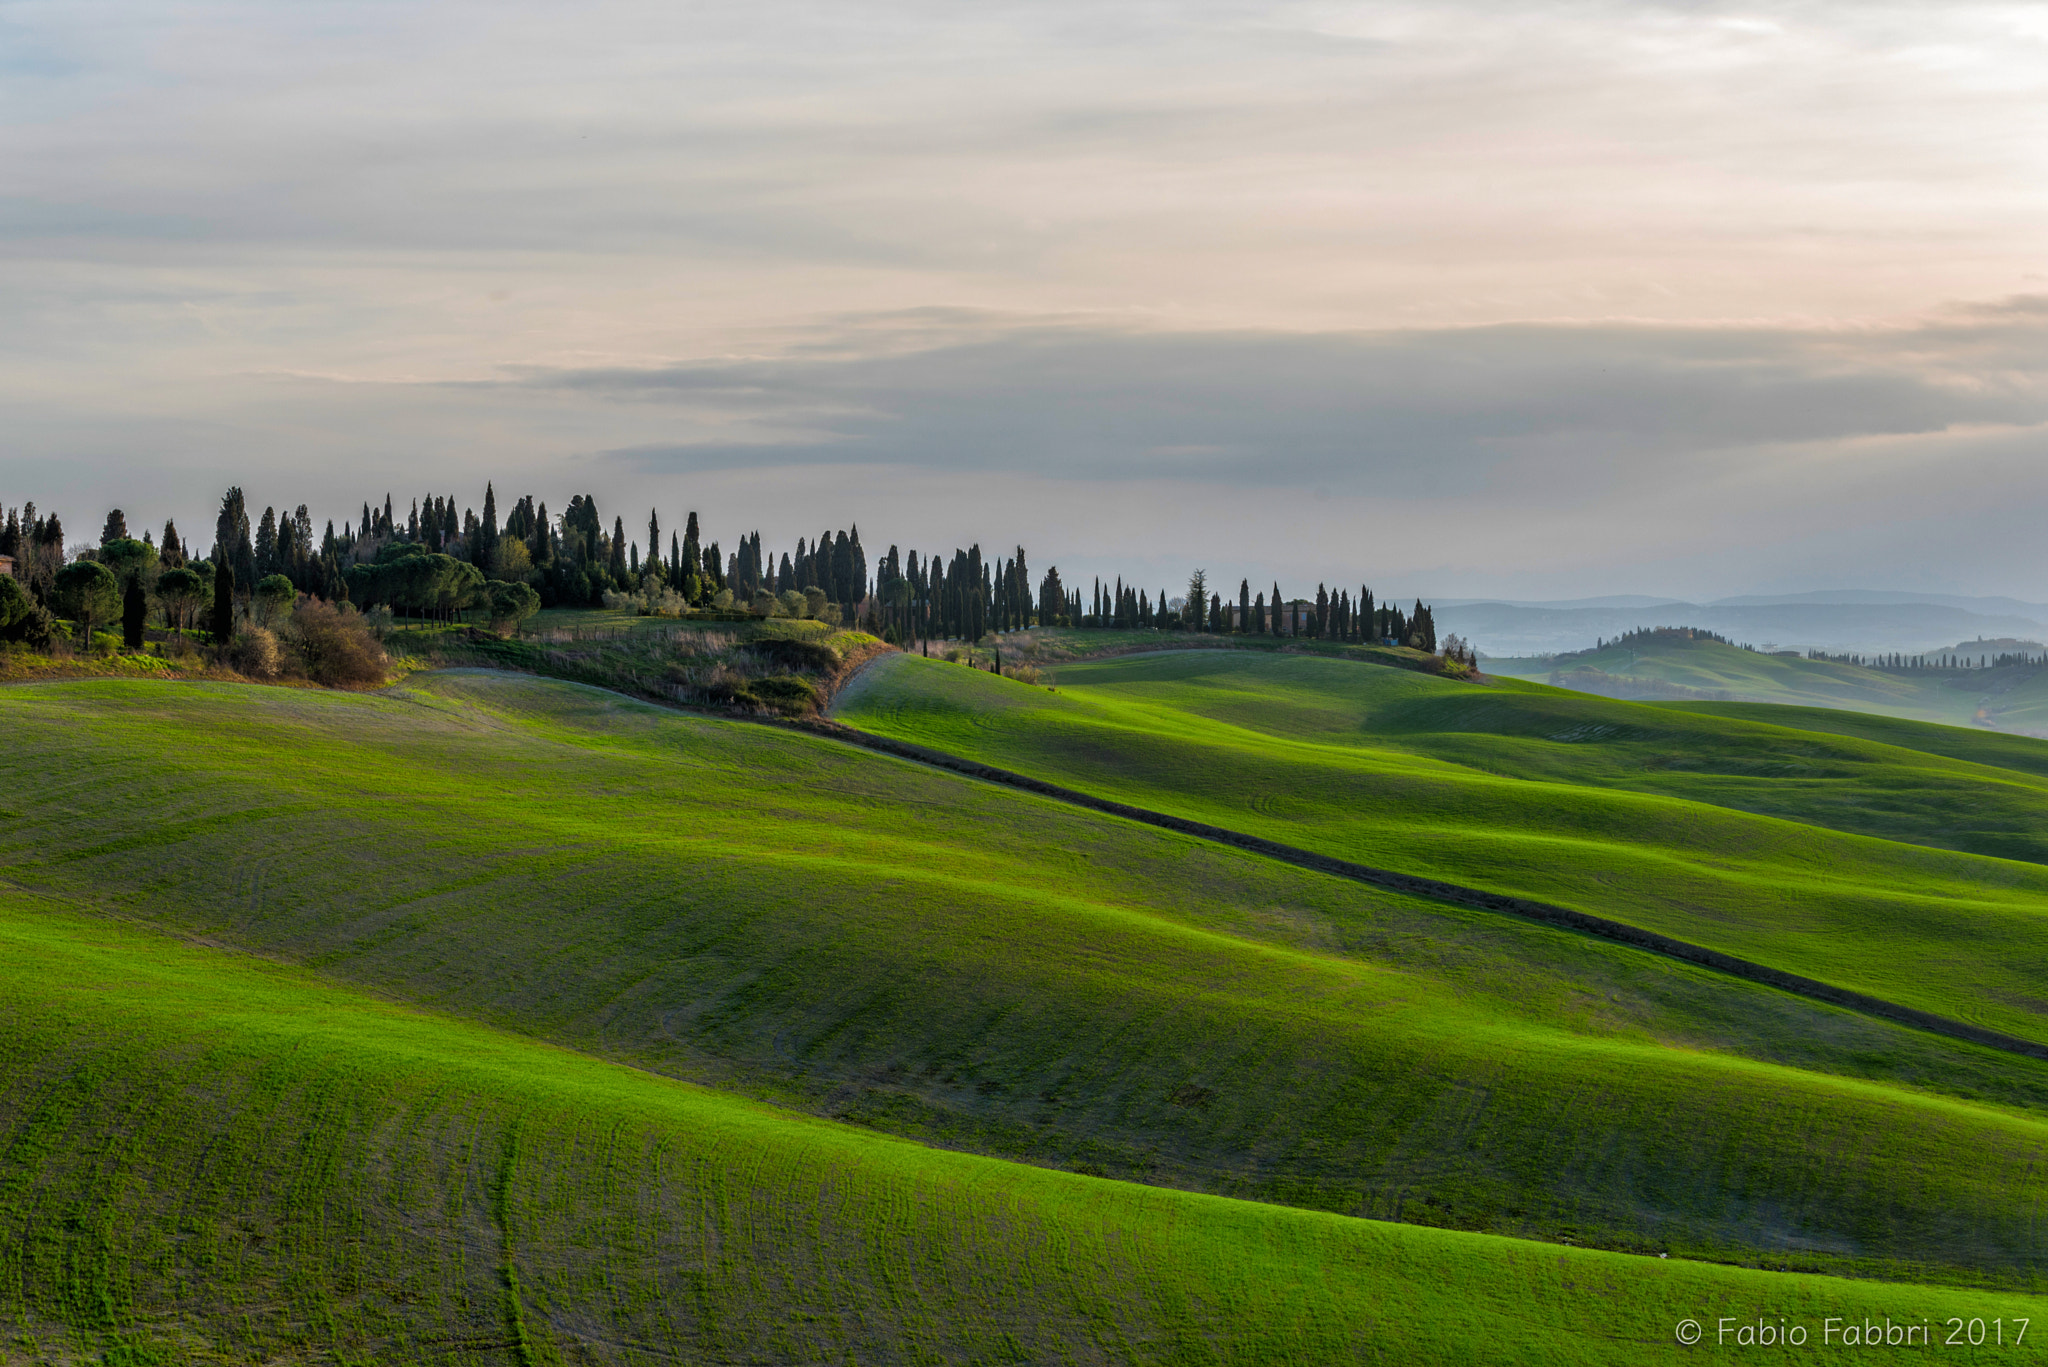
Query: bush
{"x": 14, "y": 605}
{"x": 336, "y": 646}
{"x": 793, "y": 654}
{"x": 105, "y": 644}
{"x": 254, "y": 653}
{"x": 785, "y": 693}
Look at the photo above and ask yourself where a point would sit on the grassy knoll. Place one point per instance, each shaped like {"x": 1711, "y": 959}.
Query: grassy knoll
{"x": 1525, "y": 790}
{"x": 1059, "y": 645}
{"x": 769, "y": 666}
{"x": 930, "y": 957}
{"x": 208, "y": 1158}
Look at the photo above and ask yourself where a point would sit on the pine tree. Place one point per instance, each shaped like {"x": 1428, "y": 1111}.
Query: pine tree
{"x": 172, "y": 553}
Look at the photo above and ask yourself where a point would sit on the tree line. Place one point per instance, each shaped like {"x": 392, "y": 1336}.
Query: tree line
{"x": 440, "y": 559}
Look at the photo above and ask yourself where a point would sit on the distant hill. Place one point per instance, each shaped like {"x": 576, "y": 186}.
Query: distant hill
{"x": 1671, "y": 667}
{"x": 1524, "y": 629}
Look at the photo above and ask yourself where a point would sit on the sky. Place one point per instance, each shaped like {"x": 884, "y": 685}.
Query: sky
{"x": 1534, "y": 301}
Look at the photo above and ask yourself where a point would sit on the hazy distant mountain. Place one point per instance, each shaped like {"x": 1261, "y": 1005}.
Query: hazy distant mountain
{"x": 1612, "y": 600}
{"x": 1990, "y": 606}
{"x": 1845, "y": 621}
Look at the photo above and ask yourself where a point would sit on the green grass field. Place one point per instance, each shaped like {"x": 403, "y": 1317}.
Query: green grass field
{"x": 1871, "y": 866}
{"x": 451, "y": 957}
{"x": 214, "y": 1159}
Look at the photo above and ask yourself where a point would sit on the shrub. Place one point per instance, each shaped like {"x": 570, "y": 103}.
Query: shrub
{"x": 785, "y": 693}
{"x": 254, "y": 653}
{"x": 15, "y": 606}
{"x": 790, "y": 603}
{"x": 793, "y": 654}
{"x": 105, "y": 644}
{"x": 336, "y": 646}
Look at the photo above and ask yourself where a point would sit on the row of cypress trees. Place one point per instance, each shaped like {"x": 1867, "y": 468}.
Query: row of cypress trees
{"x": 1337, "y": 616}
{"x": 573, "y": 559}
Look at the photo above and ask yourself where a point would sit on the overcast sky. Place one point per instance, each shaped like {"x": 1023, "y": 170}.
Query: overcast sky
{"x": 1535, "y": 300}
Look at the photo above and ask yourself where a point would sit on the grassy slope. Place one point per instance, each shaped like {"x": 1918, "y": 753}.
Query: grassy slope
{"x": 1998, "y": 750}
{"x": 1713, "y": 667}
{"x": 1489, "y": 787}
{"x": 939, "y": 959}
{"x": 208, "y": 1158}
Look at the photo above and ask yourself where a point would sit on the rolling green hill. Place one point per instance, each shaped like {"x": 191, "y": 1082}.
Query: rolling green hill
{"x": 2012, "y": 698}
{"x": 214, "y": 1159}
{"x": 542, "y": 868}
{"x": 1624, "y": 811}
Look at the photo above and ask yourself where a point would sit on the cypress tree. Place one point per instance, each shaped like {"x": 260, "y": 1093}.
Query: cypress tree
{"x": 134, "y": 610}
{"x": 172, "y": 553}
{"x": 490, "y": 524}
{"x": 1277, "y": 626}
{"x": 116, "y": 528}
{"x": 692, "y": 587}
{"x": 857, "y": 563}
{"x": 223, "y": 622}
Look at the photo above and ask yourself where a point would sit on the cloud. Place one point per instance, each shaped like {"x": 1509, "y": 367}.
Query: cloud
{"x": 1543, "y": 411}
